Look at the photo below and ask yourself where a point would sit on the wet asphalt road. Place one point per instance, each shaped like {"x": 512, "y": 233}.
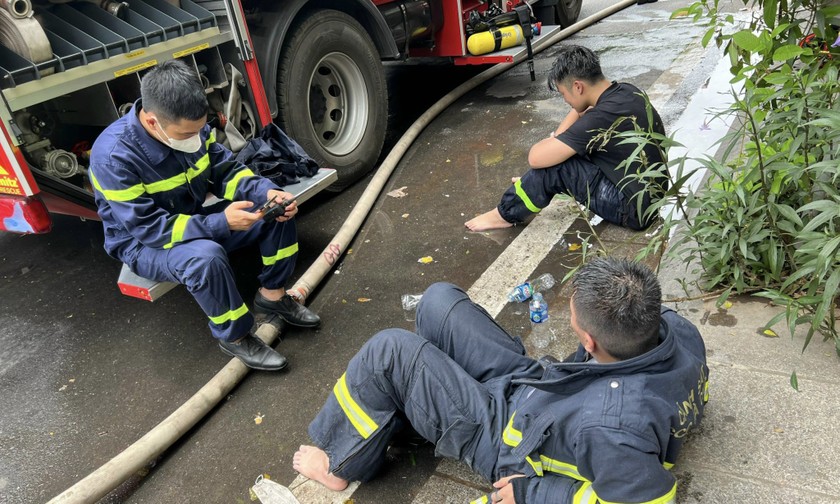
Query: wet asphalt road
{"x": 85, "y": 371}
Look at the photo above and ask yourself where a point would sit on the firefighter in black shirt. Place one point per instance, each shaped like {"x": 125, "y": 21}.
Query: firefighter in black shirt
{"x": 570, "y": 162}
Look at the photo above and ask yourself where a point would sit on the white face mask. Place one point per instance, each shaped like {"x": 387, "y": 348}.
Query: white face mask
{"x": 190, "y": 145}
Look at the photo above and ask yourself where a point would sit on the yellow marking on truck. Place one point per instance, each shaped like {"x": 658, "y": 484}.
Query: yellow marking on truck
{"x": 181, "y": 54}
{"x": 10, "y": 185}
{"x": 135, "y": 68}
{"x": 3, "y": 171}
{"x": 135, "y": 54}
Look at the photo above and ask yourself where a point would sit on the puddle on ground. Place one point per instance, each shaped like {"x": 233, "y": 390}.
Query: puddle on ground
{"x": 507, "y": 88}
{"x": 721, "y": 318}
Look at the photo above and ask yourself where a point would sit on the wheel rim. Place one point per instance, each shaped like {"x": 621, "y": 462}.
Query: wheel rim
{"x": 338, "y": 103}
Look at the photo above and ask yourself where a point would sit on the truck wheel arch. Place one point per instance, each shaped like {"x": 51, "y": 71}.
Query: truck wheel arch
{"x": 277, "y": 18}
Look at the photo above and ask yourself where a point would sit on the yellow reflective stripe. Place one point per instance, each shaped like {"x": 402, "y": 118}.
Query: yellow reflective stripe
{"x": 536, "y": 465}
{"x": 511, "y": 436}
{"x": 182, "y": 178}
{"x": 563, "y": 468}
{"x": 231, "y": 315}
{"x": 230, "y": 190}
{"x": 166, "y": 184}
{"x": 202, "y": 164}
{"x": 524, "y": 197}
{"x": 585, "y": 495}
{"x": 706, "y": 392}
{"x": 281, "y": 254}
{"x": 667, "y": 465}
{"x": 481, "y": 500}
{"x": 360, "y": 420}
{"x": 668, "y": 498}
{"x": 204, "y": 161}
{"x": 178, "y": 228}
{"x": 117, "y": 194}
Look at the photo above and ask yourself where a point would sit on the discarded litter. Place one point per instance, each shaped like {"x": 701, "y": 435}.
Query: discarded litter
{"x": 259, "y": 418}
{"x": 398, "y": 193}
{"x": 410, "y": 301}
{"x": 523, "y": 292}
{"x": 271, "y": 492}
{"x": 425, "y": 260}
{"x": 409, "y": 305}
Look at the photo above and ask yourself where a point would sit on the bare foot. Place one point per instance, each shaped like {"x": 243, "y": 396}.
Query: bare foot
{"x": 314, "y": 463}
{"x": 488, "y": 220}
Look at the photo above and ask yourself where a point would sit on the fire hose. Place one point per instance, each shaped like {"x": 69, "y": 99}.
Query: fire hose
{"x": 110, "y": 475}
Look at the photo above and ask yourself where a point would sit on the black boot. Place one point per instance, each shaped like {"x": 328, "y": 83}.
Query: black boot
{"x": 254, "y": 353}
{"x": 288, "y": 309}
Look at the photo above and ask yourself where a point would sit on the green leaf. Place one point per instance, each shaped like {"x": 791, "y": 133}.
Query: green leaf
{"x": 746, "y": 40}
{"x": 682, "y": 12}
{"x": 821, "y": 205}
{"x": 708, "y": 36}
{"x": 770, "y": 9}
{"x": 787, "y": 52}
{"x": 777, "y": 78}
{"x": 789, "y": 214}
{"x": 827, "y": 297}
{"x": 794, "y": 381}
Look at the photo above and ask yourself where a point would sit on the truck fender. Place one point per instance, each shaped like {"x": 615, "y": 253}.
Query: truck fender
{"x": 274, "y": 24}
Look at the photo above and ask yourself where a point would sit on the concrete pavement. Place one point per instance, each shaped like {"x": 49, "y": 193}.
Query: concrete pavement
{"x": 761, "y": 440}
{"x": 105, "y": 368}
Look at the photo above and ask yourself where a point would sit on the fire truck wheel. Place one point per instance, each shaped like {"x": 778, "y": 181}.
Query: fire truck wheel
{"x": 332, "y": 94}
{"x": 568, "y": 12}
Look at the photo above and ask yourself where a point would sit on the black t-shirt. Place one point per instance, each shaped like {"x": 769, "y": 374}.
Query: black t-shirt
{"x": 618, "y": 100}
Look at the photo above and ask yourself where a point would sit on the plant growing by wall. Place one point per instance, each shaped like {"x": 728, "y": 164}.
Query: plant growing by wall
{"x": 767, "y": 219}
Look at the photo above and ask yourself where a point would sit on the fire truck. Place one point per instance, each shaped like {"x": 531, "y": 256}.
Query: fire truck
{"x": 69, "y": 68}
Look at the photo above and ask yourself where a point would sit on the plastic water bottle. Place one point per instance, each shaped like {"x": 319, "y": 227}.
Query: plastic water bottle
{"x": 541, "y": 334}
{"x": 524, "y": 291}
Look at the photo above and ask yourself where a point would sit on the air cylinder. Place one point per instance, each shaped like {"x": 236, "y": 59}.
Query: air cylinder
{"x": 495, "y": 39}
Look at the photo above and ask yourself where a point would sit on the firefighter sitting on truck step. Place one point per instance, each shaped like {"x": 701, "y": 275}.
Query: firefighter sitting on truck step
{"x": 570, "y": 162}
{"x": 152, "y": 171}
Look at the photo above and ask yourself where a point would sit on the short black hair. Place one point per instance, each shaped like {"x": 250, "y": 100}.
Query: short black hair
{"x": 575, "y": 62}
{"x": 173, "y": 92}
{"x": 617, "y": 301}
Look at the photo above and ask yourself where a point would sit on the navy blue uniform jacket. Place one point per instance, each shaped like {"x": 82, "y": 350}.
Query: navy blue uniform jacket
{"x": 149, "y": 195}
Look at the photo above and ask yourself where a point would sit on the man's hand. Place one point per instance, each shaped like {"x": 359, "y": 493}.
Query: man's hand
{"x": 239, "y": 217}
{"x": 504, "y": 490}
{"x": 291, "y": 210}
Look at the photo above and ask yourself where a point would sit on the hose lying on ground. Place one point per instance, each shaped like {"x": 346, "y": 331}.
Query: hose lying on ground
{"x": 107, "y": 477}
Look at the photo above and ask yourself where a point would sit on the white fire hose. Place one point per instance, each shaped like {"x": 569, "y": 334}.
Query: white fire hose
{"x": 107, "y": 477}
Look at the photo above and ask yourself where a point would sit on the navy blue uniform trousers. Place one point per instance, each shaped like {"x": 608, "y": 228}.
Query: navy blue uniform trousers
{"x": 577, "y": 177}
{"x": 203, "y": 267}
{"x": 450, "y": 381}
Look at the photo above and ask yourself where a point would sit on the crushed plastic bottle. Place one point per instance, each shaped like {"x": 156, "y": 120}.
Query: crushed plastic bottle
{"x": 523, "y": 292}
{"x": 409, "y": 305}
{"x": 541, "y": 334}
